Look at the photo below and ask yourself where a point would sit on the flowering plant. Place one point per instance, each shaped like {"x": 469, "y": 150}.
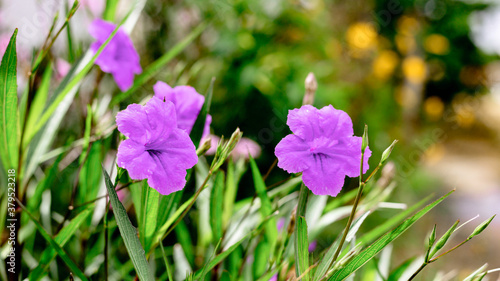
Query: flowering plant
{"x": 112, "y": 174}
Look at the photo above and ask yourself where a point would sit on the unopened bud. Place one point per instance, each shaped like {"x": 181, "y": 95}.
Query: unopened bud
{"x": 364, "y": 143}
{"x": 387, "y": 152}
{"x": 205, "y": 146}
{"x": 311, "y": 87}
{"x": 481, "y": 227}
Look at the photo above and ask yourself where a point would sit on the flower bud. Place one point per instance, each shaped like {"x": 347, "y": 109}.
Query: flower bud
{"x": 481, "y": 227}
{"x": 364, "y": 143}
{"x": 387, "y": 152}
{"x": 311, "y": 87}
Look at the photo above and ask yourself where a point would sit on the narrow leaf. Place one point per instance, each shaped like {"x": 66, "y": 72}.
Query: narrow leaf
{"x": 303, "y": 248}
{"x": 368, "y": 253}
{"x": 8, "y": 106}
{"x": 61, "y": 238}
{"x": 216, "y": 202}
{"x": 128, "y": 233}
{"x": 57, "y": 247}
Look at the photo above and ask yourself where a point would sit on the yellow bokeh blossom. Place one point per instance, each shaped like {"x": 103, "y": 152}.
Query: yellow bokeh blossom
{"x": 437, "y": 44}
{"x": 361, "y": 36}
{"x": 414, "y": 69}
{"x": 384, "y": 65}
{"x": 434, "y": 107}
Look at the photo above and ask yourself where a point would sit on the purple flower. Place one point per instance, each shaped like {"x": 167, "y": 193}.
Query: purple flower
{"x": 188, "y": 104}
{"x": 155, "y": 149}
{"x": 119, "y": 57}
{"x": 312, "y": 246}
{"x": 322, "y": 147}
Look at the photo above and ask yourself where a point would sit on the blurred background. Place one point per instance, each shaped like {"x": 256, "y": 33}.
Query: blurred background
{"x": 425, "y": 72}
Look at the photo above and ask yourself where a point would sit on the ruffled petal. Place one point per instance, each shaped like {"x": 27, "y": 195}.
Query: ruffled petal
{"x": 188, "y": 103}
{"x": 347, "y": 152}
{"x": 135, "y": 159}
{"x": 123, "y": 78}
{"x": 335, "y": 123}
{"x": 101, "y": 29}
{"x": 133, "y": 123}
{"x": 172, "y": 157}
{"x": 309, "y": 123}
{"x": 161, "y": 120}
{"x": 324, "y": 176}
{"x": 293, "y": 154}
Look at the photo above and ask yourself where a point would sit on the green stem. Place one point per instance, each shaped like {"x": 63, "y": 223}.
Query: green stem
{"x": 353, "y": 211}
{"x": 418, "y": 271}
{"x": 301, "y": 212}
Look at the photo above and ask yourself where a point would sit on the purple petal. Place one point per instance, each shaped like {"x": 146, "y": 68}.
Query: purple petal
{"x": 172, "y": 159}
{"x": 101, "y": 29}
{"x": 308, "y": 122}
{"x": 324, "y": 177}
{"x": 119, "y": 57}
{"x": 245, "y": 147}
{"x": 133, "y": 157}
{"x": 124, "y": 79}
{"x": 133, "y": 123}
{"x": 293, "y": 154}
{"x": 187, "y": 102}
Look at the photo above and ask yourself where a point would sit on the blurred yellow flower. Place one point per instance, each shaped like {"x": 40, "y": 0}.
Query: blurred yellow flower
{"x": 434, "y": 107}
{"x": 384, "y": 65}
{"x": 361, "y": 36}
{"x": 437, "y": 44}
{"x": 414, "y": 69}
{"x": 405, "y": 44}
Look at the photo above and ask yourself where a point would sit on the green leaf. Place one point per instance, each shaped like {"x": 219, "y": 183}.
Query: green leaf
{"x": 442, "y": 241}
{"x": 56, "y": 246}
{"x": 216, "y": 202}
{"x": 199, "y": 124}
{"x": 157, "y": 65}
{"x": 476, "y": 273}
{"x": 8, "y": 106}
{"x": 220, "y": 257}
{"x": 149, "y": 217}
{"x": 167, "y": 265}
{"x": 303, "y": 248}
{"x": 61, "y": 238}
{"x": 398, "y": 271}
{"x": 40, "y": 99}
{"x": 390, "y": 223}
{"x": 184, "y": 238}
{"x": 270, "y": 232}
{"x": 128, "y": 233}
{"x": 368, "y": 253}
{"x": 323, "y": 266}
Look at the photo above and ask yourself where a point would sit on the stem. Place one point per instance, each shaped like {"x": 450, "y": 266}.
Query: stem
{"x": 447, "y": 252}
{"x": 106, "y": 237}
{"x": 418, "y": 271}
{"x": 301, "y": 212}
{"x": 353, "y": 211}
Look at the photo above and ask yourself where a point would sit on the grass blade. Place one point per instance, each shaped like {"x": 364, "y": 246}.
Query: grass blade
{"x": 303, "y": 246}
{"x": 57, "y": 247}
{"x": 61, "y": 238}
{"x": 128, "y": 233}
{"x": 8, "y": 106}
{"x": 368, "y": 253}
{"x": 216, "y": 202}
